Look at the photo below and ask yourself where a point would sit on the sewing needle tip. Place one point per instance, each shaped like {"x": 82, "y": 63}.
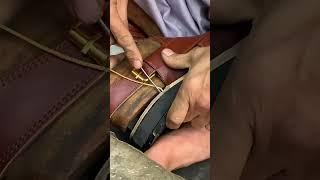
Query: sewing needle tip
{"x": 157, "y": 87}
{"x": 104, "y": 26}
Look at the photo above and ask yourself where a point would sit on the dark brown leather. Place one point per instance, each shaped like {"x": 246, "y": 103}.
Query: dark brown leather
{"x": 33, "y": 95}
{"x": 141, "y": 20}
{"x": 228, "y": 35}
{"x": 123, "y": 91}
{"x": 82, "y": 35}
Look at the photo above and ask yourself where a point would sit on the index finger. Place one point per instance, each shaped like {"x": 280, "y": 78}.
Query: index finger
{"x": 125, "y": 39}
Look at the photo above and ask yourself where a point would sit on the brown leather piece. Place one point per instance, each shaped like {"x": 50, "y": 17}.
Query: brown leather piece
{"x": 134, "y": 103}
{"x": 136, "y": 32}
{"x": 33, "y": 95}
{"x": 123, "y": 93}
{"x": 73, "y": 147}
{"x": 141, "y": 19}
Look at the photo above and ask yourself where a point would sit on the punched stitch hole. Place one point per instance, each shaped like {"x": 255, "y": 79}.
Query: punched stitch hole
{"x": 54, "y": 108}
{"x": 69, "y": 95}
{"x": 17, "y": 144}
{"x": 19, "y": 75}
{"x": 41, "y": 60}
{"x": 11, "y": 150}
{"x": 35, "y": 126}
{"x": 64, "y": 99}
{"x": 46, "y": 61}
{"x": 87, "y": 81}
{"x": 33, "y": 64}
{"x": 11, "y": 77}
{"x": 45, "y": 117}
{"x": 24, "y": 69}
{"x": 80, "y": 87}
{"x": 50, "y": 112}
{"x": 4, "y": 156}
{"x": 60, "y": 104}
{"x": 3, "y": 84}
{"x": 73, "y": 90}
{"x": 77, "y": 86}
{"x": 28, "y": 133}
{"x": 36, "y": 64}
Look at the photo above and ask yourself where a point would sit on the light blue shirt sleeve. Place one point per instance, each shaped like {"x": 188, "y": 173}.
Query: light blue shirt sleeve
{"x": 178, "y": 18}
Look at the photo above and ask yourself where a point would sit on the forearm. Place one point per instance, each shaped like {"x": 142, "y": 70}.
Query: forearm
{"x": 231, "y": 133}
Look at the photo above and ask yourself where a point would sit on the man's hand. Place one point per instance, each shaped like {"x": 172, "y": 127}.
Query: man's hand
{"x": 192, "y": 103}
{"x": 191, "y": 143}
{"x": 181, "y": 148}
{"x": 121, "y": 33}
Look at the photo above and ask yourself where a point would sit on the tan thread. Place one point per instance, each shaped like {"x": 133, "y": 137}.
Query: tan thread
{"x": 68, "y": 58}
{"x": 159, "y": 89}
{"x": 51, "y": 51}
{"x": 129, "y": 79}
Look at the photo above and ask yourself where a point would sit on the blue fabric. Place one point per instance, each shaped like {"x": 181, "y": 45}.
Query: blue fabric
{"x": 178, "y": 18}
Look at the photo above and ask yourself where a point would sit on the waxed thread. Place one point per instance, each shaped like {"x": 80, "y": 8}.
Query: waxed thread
{"x": 72, "y": 59}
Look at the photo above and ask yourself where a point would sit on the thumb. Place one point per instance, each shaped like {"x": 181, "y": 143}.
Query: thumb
{"x": 178, "y": 110}
{"x": 176, "y": 61}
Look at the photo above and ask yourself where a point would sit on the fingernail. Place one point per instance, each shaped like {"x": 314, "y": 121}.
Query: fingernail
{"x": 174, "y": 123}
{"x": 137, "y": 64}
{"x": 208, "y": 127}
{"x": 171, "y": 125}
{"x": 167, "y": 52}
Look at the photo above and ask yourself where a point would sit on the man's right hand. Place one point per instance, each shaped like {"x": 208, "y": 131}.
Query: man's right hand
{"x": 121, "y": 33}
{"x": 192, "y": 103}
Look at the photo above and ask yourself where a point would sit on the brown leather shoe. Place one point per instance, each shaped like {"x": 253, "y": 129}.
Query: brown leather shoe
{"x": 53, "y": 112}
{"x": 128, "y": 99}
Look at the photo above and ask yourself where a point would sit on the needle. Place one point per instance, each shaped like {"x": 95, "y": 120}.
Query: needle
{"x": 104, "y": 26}
{"x": 157, "y": 87}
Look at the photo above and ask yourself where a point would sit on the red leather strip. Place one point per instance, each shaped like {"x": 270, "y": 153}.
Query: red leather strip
{"x": 120, "y": 91}
{"x": 205, "y": 42}
{"x": 34, "y": 94}
{"x": 154, "y": 63}
{"x": 180, "y": 46}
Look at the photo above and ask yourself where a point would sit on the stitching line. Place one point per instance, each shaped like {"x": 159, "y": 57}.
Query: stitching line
{"x": 24, "y": 69}
{"x": 13, "y": 148}
{"x": 18, "y": 74}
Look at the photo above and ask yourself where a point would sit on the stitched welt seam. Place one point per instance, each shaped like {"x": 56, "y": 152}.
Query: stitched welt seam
{"x": 22, "y": 70}
{"x": 125, "y": 100}
{"x": 19, "y": 73}
{"x": 56, "y": 107}
{"x": 152, "y": 65}
{"x": 11, "y": 77}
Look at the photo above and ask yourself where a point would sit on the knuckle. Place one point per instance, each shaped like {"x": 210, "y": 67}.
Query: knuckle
{"x": 199, "y": 52}
{"x": 196, "y": 52}
{"x": 126, "y": 39}
{"x": 190, "y": 85}
{"x": 203, "y": 102}
{"x": 131, "y": 55}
